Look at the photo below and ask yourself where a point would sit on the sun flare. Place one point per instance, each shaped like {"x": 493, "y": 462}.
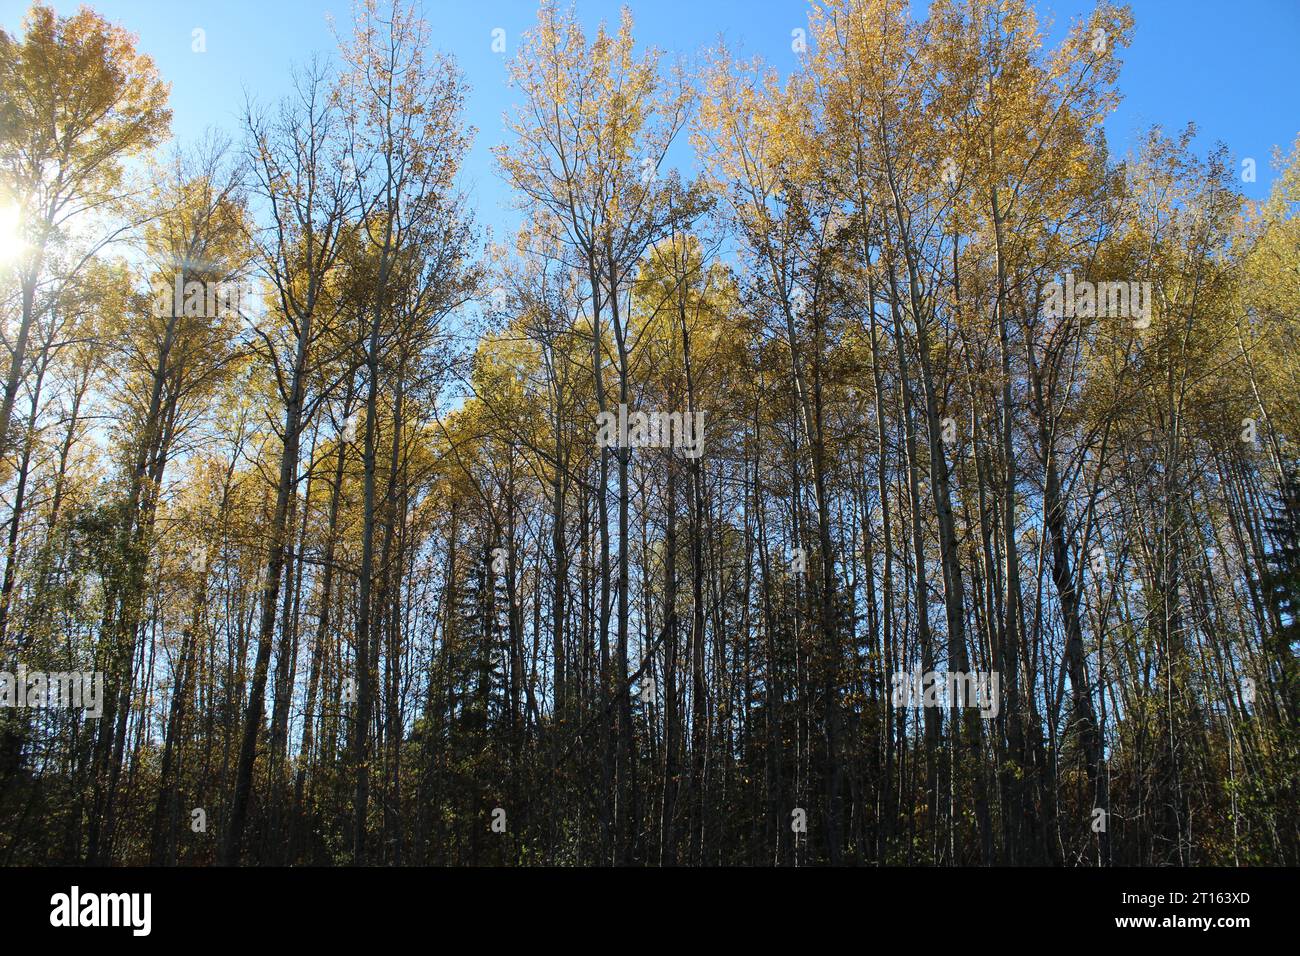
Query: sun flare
{"x": 11, "y": 240}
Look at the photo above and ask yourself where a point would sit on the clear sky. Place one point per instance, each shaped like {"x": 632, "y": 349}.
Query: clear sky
{"x": 1229, "y": 65}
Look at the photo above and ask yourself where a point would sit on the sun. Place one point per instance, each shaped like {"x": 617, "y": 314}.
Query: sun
{"x": 11, "y": 240}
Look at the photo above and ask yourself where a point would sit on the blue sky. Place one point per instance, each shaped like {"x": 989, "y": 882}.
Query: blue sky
{"x": 1226, "y": 64}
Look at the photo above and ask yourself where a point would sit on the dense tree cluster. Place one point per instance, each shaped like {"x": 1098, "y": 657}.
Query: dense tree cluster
{"x": 366, "y": 582}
